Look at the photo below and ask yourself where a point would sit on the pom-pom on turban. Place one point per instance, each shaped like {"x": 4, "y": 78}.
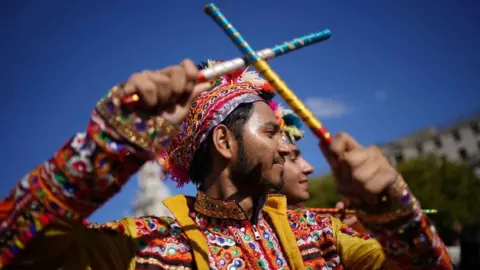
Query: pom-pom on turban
{"x": 289, "y": 122}
{"x": 209, "y": 110}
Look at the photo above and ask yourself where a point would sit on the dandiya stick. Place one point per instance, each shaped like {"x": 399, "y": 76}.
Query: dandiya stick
{"x": 266, "y": 54}
{"x": 283, "y": 90}
{"x": 264, "y": 69}
{"x": 333, "y": 211}
{"x": 226, "y": 67}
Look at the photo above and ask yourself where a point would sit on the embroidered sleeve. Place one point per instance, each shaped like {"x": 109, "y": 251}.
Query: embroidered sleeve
{"x": 357, "y": 250}
{"x": 89, "y": 169}
{"x": 408, "y": 238}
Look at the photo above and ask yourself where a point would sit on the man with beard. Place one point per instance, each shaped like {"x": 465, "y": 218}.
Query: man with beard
{"x": 230, "y": 145}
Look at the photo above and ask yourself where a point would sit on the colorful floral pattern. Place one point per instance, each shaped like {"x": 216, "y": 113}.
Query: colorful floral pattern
{"x": 92, "y": 167}
{"x": 88, "y": 170}
{"x": 235, "y": 243}
{"x": 209, "y": 110}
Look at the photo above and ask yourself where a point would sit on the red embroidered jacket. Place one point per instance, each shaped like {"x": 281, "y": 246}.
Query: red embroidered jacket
{"x": 41, "y": 224}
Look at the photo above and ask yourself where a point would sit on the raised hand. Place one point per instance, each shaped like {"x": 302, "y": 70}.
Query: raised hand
{"x": 361, "y": 173}
{"x": 167, "y": 92}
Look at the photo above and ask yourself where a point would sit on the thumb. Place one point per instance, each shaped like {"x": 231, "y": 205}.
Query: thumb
{"x": 198, "y": 89}
{"x": 341, "y": 144}
{"x": 340, "y": 205}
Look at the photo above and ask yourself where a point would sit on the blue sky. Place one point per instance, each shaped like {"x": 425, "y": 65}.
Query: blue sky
{"x": 391, "y": 67}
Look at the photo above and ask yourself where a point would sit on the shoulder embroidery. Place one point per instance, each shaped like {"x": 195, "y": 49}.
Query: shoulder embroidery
{"x": 161, "y": 244}
{"x": 315, "y": 238}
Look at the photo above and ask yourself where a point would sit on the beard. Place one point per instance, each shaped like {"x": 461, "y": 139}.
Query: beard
{"x": 279, "y": 186}
{"x": 249, "y": 176}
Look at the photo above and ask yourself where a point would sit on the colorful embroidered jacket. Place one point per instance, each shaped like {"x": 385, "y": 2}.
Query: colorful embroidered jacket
{"x": 41, "y": 222}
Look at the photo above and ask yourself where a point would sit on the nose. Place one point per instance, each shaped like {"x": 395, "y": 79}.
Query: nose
{"x": 307, "y": 168}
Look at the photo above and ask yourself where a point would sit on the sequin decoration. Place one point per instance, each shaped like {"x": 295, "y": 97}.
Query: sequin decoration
{"x": 232, "y": 244}
{"x": 92, "y": 167}
{"x": 207, "y": 111}
{"x": 152, "y": 133}
{"x": 88, "y": 170}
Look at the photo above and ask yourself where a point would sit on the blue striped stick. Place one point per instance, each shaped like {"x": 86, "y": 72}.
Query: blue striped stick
{"x": 223, "y": 68}
{"x": 232, "y": 65}
{"x": 267, "y": 72}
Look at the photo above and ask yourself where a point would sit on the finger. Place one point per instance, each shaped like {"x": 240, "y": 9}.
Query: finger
{"x": 177, "y": 79}
{"x": 130, "y": 86}
{"x": 146, "y": 89}
{"x": 189, "y": 87}
{"x": 340, "y": 205}
{"x": 336, "y": 150}
{"x": 338, "y": 145}
{"x": 186, "y": 99}
{"x": 159, "y": 77}
{"x": 199, "y": 88}
{"x": 162, "y": 83}
{"x": 190, "y": 68}
{"x": 191, "y": 71}
{"x": 366, "y": 173}
{"x": 148, "y": 93}
{"x": 343, "y": 142}
{"x": 377, "y": 184}
{"x": 357, "y": 157}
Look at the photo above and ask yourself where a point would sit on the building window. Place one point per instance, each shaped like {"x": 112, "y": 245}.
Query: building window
{"x": 463, "y": 154}
{"x": 399, "y": 158}
{"x": 438, "y": 142}
{"x": 475, "y": 127}
{"x": 456, "y": 135}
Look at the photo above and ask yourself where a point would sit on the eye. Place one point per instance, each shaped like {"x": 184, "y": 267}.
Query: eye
{"x": 271, "y": 132}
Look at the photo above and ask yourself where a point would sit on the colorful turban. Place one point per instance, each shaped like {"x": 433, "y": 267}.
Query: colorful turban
{"x": 289, "y": 122}
{"x": 207, "y": 111}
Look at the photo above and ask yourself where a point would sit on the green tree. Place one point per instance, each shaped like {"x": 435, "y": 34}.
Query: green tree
{"x": 323, "y": 192}
{"x": 451, "y": 187}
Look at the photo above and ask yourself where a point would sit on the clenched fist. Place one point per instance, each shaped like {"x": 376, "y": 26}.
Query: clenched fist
{"x": 167, "y": 92}
{"x": 361, "y": 173}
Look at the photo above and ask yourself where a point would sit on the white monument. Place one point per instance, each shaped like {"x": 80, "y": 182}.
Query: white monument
{"x": 151, "y": 192}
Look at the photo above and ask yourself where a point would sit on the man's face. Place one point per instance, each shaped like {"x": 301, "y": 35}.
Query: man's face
{"x": 295, "y": 175}
{"x": 260, "y": 158}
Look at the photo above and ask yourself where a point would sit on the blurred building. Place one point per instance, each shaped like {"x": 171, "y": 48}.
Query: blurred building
{"x": 151, "y": 192}
{"x": 456, "y": 141}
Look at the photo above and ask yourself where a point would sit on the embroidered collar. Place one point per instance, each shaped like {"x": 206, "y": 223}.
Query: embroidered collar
{"x": 224, "y": 209}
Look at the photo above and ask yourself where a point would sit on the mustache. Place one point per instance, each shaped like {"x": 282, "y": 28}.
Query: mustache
{"x": 279, "y": 160}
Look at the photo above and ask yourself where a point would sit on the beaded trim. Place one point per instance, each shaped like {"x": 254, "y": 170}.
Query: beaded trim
{"x": 144, "y": 133}
{"x": 215, "y": 208}
{"x": 397, "y": 202}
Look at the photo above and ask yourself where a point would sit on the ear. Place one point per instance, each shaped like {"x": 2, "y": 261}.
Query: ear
{"x": 222, "y": 141}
